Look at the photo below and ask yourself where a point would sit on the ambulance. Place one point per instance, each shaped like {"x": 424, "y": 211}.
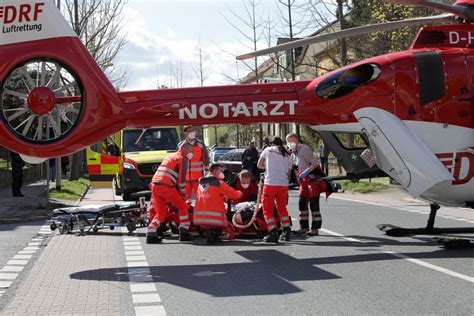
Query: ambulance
{"x": 128, "y": 159}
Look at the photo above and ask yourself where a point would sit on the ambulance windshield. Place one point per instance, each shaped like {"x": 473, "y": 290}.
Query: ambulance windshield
{"x": 150, "y": 139}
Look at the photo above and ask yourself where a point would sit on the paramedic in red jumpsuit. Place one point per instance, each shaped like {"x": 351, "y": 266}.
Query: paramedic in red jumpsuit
{"x": 210, "y": 211}
{"x": 168, "y": 187}
{"x": 198, "y": 166}
{"x": 277, "y": 164}
{"x": 310, "y": 191}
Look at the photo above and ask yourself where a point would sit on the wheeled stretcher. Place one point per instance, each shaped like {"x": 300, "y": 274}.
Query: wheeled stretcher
{"x": 83, "y": 219}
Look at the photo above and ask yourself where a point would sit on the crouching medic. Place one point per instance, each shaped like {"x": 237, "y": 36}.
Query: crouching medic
{"x": 209, "y": 211}
{"x": 169, "y": 187}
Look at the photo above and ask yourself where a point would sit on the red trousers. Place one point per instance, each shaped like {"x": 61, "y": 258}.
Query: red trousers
{"x": 191, "y": 188}
{"x": 162, "y": 195}
{"x": 272, "y": 194}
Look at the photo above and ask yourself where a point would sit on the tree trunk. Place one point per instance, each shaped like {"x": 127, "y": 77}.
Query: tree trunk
{"x": 77, "y": 165}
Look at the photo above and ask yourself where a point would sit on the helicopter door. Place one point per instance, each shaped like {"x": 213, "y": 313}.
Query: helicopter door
{"x": 400, "y": 153}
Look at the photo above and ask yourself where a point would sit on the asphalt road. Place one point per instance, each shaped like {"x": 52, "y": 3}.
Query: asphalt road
{"x": 352, "y": 268}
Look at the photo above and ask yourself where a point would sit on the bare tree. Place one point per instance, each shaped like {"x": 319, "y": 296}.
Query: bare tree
{"x": 98, "y": 25}
{"x": 202, "y": 65}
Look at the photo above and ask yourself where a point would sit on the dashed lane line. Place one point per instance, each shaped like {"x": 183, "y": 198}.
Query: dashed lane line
{"x": 409, "y": 259}
{"x": 145, "y": 297}
{"x": 16, "y": 264}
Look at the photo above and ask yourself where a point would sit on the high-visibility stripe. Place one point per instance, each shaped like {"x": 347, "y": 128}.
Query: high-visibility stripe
{"x": 209, "y": 221}
{"x": 285, "y": 224}
{"x": 183, "y": 218}
{"x": 169, "y": 176}
{"x": 164, "y": 171}
{"x": 304, "y": 212}
{"x": 270, "y": 220}
{"x": 284, "y": 218}
{"x": 196, "y": 163}
{"x": 271, "y": 227}
{"x": 304, "y": 218}
{"x": 205, "y": 213}
{"x": 319, "y": 218}
{"x": 163, "y": 168}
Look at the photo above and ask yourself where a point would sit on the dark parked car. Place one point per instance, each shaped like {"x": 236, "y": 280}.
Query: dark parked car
{"x": 232, "y": 160}
{"x": 215, "y": 153}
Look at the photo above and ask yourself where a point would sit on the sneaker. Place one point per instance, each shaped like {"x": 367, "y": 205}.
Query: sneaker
{"x": 313, "y": 232}
{"x": 285, "y": 236}
{"x": 184, "y": 234}
{"x": 211, "y": 236}
{"x": 302, "y": 231}
{"x": 272, "y": 237}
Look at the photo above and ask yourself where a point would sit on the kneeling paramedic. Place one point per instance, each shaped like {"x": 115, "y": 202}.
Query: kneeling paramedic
{"x": 245, "y": 184}
{"x": 169, "y": 187}
{"x": 210, "y": 212}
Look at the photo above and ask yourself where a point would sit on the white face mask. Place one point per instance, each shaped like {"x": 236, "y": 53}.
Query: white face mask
{"x": 245, "y": 185}
{"x": 190, "y": 156}
{"x": 221, "y": 175}
{"x": 192, "y": 135}
{"x": 292, "y": 145}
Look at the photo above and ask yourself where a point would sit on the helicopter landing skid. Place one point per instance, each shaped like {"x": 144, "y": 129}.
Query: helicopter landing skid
{"x": 395, "y": 231}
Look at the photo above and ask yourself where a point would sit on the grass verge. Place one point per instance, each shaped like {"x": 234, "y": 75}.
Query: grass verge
{"x": 363, "y": 186}
{"x": 70, "y": 190}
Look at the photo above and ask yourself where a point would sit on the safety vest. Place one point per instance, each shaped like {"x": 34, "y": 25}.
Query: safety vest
{"x": 210, "y": 209}
{"x": 199, "y": 161}
{"x": 172, "y": 172}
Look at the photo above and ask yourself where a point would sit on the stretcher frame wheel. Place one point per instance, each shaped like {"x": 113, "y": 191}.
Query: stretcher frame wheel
{"x": 53, "y": 226}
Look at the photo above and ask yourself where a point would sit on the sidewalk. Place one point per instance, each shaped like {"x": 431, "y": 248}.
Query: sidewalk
{"x": 49, "y": 288}
{"x": 31, "y": 207}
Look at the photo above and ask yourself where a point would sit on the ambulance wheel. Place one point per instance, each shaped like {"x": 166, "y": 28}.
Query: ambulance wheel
{"x": 117, "y": 190}
{"x": 41, "y": 101}
{"x": 126, "y": 196}
{"x": 131, "y": 228}
{"x": 112, "y": 227}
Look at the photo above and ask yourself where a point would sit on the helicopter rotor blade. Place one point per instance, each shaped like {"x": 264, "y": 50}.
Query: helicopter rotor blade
{"x": 462, "y": 11}
{"x": 348, "y": 33}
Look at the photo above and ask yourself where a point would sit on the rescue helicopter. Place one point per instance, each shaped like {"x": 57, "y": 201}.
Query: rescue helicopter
{"x": 414, "y": 108}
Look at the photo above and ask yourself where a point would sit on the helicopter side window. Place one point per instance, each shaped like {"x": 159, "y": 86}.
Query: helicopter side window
{"x": 346, "y": 81}
{"x": 431, "y": 75}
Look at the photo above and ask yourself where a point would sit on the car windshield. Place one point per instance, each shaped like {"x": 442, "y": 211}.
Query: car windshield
{"x": 150, "y": 139}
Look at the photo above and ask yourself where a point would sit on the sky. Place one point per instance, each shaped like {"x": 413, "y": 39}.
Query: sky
{"x": 163, "y": 37}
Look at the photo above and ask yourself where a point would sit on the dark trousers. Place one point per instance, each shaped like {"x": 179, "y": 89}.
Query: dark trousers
{"x": 317, "y": 220}
{"x": 17, "y": 180}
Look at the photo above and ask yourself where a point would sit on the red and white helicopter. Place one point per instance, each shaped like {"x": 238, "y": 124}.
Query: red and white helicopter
{"x": 415, "y": 108}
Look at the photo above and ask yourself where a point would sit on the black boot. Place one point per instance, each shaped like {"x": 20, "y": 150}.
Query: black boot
{"x": 285, "y": 236}
{"x": 184, "y": 234}
{"x": 271, "y": 237}
{"x": 155, "y": 236}
{"x": 211, "y": 236}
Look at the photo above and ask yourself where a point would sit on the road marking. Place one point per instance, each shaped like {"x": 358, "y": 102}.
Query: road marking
{"x": 432, "y": 266}
{"x": 136, "y": 258}
{"x": 150, "y": 310}
{"x": 340, "y": 235}
{"x": 403, "y": 209}
{"x": 141, "y": 282}
{"x": 12, "y": 269}
{"x": 134, "y": 253}
{"x": 146, "y": 298}
{"x": 8, "y": 276}
{"x": 142, "y": 287}
{"x": 17, "y": 262}
{"x": 405, "y": 257}
{"x": 22, "y": 257}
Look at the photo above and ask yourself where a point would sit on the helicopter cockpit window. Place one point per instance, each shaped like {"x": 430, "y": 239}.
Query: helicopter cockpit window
{"x": 346, "y": 81}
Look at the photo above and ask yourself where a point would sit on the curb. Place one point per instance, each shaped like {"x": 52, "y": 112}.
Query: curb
{"x": 82, "y": 196}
